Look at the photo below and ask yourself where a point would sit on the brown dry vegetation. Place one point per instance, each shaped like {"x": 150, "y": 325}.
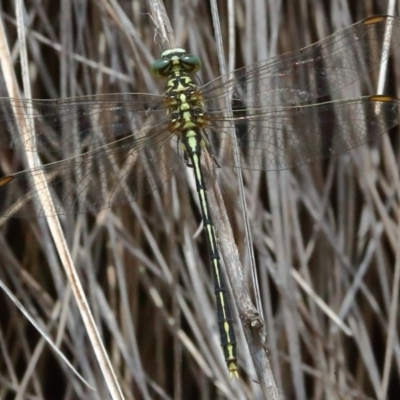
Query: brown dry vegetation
{"x": 324, "y": 233}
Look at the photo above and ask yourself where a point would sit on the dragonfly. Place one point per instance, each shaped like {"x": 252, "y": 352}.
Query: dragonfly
{"x": 108, "y": 150}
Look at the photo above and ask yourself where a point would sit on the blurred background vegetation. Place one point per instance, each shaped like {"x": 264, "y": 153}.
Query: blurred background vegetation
{"x": 333, "y": 231}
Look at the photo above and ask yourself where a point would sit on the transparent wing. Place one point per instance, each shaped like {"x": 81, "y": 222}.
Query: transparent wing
{"x": 77, "y": 124}
{"x": 286, "y": 137}
{"x": 301, "y": 77}
{"x": 119, "y": 141}
{"x": 110, "y": 175}
{"x": 313, "y": 74}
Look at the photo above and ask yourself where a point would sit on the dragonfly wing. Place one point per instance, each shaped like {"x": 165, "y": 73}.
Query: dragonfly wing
{"x": 64, "y": 127}
{"x": 110, "y": 175}
{"x": 286, "y": 137}
{"x": 313, "y": 74}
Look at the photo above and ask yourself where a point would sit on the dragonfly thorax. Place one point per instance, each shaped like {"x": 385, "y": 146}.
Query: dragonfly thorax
{"x": 183, "y": 97}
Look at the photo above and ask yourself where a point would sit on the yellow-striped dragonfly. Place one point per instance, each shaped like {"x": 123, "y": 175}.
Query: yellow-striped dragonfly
{"x": 286, "y": 111}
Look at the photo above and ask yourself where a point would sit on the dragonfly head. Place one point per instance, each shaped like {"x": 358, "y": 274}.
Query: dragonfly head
{"x": 175, "y": 60}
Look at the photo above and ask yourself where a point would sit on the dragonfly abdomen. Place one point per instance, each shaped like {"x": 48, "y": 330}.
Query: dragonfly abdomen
{"x": 193, "y": 143}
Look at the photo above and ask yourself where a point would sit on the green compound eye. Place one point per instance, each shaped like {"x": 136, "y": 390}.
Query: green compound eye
{"x": 159, "y": 66}
{"x": 191, "y": 62}
{"x": 178, "y": 57}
